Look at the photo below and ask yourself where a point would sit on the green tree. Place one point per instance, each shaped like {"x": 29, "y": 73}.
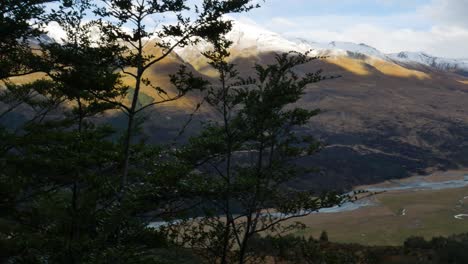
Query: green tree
{"x": 59, "y": 167}
{"x": 245, "y": 160}
{"x": 16, "y": 59}
{"x": 323, "y": 236}
{"x": 63, "y": 200}
{"x": 134, "y": 62}
{"x": 19, "y": 23}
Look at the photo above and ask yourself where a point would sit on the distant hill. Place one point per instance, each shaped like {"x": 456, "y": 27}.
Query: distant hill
{"x": 387, "y": 116}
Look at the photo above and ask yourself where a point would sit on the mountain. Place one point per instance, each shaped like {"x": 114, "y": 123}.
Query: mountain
{"x": 387, "y": 116}
{"x": 421, "y": 58}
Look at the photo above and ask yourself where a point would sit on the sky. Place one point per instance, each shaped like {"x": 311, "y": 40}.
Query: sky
{"x": 437, "y": 27}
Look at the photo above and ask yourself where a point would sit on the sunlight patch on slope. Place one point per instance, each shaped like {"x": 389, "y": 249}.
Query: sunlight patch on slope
{"x": 397, "y": 70}
{"x": 358, "y": 67}
{"x": 28, "y": 78}
{"x": 355, "y": 66}
{"x": 158, "y": 76}
{"x": 193, "y": 56}
{"x": 186, "y": 103}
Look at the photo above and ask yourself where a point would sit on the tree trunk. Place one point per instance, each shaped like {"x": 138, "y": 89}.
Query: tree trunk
{"x": 130, "y": 124}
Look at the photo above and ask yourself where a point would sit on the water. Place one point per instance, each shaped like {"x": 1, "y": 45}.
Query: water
{"x": 422, "y": 185}
{"x": 461, "y": 216}
{"x": 351, "y": 206}
{"x": 348, "y": 206}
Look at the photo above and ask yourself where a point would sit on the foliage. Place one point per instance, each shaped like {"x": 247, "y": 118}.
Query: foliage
{"x": 245, "y": 160}
{"x": 134, "y": 61}
{"x": 291, "y": 249}
{"x": 16, "y": 28}
{"x": 324, "y": 236}
{"x": 61, "y": 200}
{"x": 60, "y": 194}
{"x": 71, "y": 193}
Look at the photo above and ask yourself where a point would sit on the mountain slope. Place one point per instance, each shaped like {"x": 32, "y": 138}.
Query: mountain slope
{"x": 384, "y": 118}
{"x": 387, "y": 116}
{"x": 414, "y": 58}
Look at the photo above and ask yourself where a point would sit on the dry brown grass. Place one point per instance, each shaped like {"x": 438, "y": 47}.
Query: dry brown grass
{"x": 395, "y": 70}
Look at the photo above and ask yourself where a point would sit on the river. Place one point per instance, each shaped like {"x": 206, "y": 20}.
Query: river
{"x": 416, "y": 185}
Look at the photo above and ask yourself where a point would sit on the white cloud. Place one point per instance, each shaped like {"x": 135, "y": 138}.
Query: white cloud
{"x": 439, "y": 41}
{"x": 439, "y": 28}
{"x": 448, "y": 12}
{"x": 56, "y": 32}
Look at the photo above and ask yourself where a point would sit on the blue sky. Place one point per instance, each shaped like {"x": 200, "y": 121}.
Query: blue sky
{"x": 343, "y": 7}
{"x": 438, "y": 27}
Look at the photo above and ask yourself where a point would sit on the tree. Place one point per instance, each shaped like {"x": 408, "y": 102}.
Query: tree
{"x": 134, "y": 62}
{"x": 63, "y": 201}
{"x": 59, "y": 167}
{"x": 19, "y": 21}
{"x": 245, "y": 160}
{"x": 323, "y": 236}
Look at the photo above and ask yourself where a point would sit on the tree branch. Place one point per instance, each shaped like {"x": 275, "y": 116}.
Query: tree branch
{"x": 160, "y": 102}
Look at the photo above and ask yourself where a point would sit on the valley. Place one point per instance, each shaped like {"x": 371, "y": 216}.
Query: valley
{"x": 233, "y": 131}
{"x": 428, "y": 207}
{"x": 386, "y": 116}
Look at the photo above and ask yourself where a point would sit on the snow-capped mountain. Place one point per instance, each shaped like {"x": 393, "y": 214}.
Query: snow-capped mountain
{"x": 246, "y": 34}
{"x": 389, "y": 113}
{"x": 42, "y": 39}
{"x": 431, "y": 61}
{"x": 249, "y": 38}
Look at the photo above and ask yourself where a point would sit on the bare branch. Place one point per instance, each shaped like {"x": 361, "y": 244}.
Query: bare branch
{"x": 160, "y": 102}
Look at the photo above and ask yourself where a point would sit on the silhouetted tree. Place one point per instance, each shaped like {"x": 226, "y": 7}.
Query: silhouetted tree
{"x": 323, "y": 236}
{"x": 59, "y": 189}
{"x": 62, "y": 201}
{"x": 19, "y": 24}
{"x": 134, "y": 61}
{"x": 245, "y": 160}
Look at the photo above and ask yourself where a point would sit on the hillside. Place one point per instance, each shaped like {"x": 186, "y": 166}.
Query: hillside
{"x": 387, "y": 116}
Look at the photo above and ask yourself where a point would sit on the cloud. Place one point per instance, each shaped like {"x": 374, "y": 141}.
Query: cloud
{"x": 438, "y": 27}
{"x": 439, "y": 41}
{"x": 444, "y": 41}
{"x": 56, "y": 32}
{"x": 448, "y": 12}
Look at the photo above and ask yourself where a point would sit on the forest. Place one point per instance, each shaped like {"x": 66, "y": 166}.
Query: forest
{"x": 81, "y": 183}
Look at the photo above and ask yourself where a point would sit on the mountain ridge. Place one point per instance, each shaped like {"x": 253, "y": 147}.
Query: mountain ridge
{"x": 248, "y": 35}
{"x": 251, "y": 36}
{"x": 384, "y": 118}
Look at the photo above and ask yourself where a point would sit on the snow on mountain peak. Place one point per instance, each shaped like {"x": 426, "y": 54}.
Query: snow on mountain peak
{"x": 247, "y": 34}
{"x": 252, "y": 38}
{"x": 406, "y": 56}
{"x": 362, "y": 48}
{"x": 422, "y": 58}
